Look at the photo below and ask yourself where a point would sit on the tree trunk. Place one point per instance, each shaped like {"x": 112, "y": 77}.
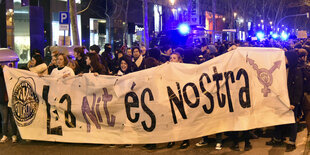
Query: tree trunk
{"x": 75, "y": 32}
{"x": 213, "y": 20}
{"x": 145, "y": 23}
{"x": 126, "y": 24}
{"x": 108, "y": 35}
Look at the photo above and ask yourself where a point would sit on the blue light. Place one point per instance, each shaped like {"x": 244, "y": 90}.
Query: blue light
{"x": 275, "y": 36}
{"x": 284, "y": 36}
{"x": 184, "y": 28}
{"x": 260, "y": 35}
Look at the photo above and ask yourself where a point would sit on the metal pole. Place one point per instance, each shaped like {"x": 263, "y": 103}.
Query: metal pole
{"x": 68, "y": 9}
{"x": 277, "y": 26}
{"x": 214, "y": 20}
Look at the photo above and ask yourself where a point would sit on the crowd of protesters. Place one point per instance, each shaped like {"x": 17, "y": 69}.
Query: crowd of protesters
{"x": 124, "y": 60}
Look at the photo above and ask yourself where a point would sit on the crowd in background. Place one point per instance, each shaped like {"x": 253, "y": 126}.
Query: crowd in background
{"x": 124, "y": 60}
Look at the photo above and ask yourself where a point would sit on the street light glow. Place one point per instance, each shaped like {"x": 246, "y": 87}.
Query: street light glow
{"x": 275, "y": 36}
{"x": 260, "y": 35}
{"x": 262, "y": 21}
{"x": 172, "y": 2}
{"x": 184, "y": 28}
{"x": 235, "y": 14}
{"x": 284, "y": 36}
{"x": 224, "y": 19}
{"x": 270, "y": 22}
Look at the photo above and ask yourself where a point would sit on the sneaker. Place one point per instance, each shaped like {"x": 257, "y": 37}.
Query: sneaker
{"x": 290, "y": 147}
{"x": 274, "y": 142}
{"x": 201, "y": 143}
{"x": 14, "y": 139}
{"x": 218, "y": 146}
{"x": 128, "y": 145}
{"x": 112, "y": 145}
{"x": 247, "y": 147}
{"x": 170, "y": 144}
{"x": 184, "y": 145}
{"x": 4, "y": 139}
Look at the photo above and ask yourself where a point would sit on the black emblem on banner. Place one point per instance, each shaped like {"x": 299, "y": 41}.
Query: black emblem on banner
{"x": 25, "y": 101}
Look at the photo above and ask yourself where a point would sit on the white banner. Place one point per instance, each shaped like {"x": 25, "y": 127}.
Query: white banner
{"x": 240, "y": 90}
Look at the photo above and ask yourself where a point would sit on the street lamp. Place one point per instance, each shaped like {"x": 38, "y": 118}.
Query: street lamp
{"x": 235, "y": 14}
{"x": 224, "y": 19}
{"x": 270, "y": 22}
{"x": 262, "y": 21}
{"x": 172, "y": 2}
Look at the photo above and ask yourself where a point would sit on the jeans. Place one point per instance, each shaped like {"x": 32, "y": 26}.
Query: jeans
{"x": 7, "y": 115}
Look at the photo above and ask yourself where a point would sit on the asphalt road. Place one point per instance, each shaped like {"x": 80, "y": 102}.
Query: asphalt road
{"x": 54, "y": 148}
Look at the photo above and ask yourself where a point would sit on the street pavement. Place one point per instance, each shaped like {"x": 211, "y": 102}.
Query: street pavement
{"x": 55, "y": 148}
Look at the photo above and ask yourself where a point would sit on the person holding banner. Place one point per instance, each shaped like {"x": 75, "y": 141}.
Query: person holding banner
{"x": 125, "y": 65}
{"x": 6, "y": 112}
{"x": 295, "y": 92}
{"x": 93, "y": 62}
{"x": 37, "y": 65}
{"x": 125, "y": 68}
{"x": 62, "y": 69}
{"x": 176, "y": 58}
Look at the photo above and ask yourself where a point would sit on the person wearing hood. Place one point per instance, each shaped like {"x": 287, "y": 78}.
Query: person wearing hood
{"x": 125, "y": 65}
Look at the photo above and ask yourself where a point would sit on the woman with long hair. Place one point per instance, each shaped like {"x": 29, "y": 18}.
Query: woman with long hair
{"x": 93, "y": 62}
{"x": 79, "y": 55}
{"x": 37, "y": 65}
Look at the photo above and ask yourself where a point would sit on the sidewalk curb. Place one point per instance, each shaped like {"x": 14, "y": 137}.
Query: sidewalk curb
{"x": 307, "y": 147}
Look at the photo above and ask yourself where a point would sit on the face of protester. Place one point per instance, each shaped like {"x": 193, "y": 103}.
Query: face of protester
{"x": 60, "y": 61}
{"x": 204, "y": 48}
{"x": 54, "y": 61}
{"x": 72, "y": 65}
{"x": 119, "y": 55}
{"x": 124, "y": 65}
{"x": 174, "y": 58}
{"x": 33, "y": 62}
{"x": 136, "y": 53}
{"x": 76, "y": 55}
{"x": 88, "y": 61}
{"x": 143, "y": 50}
{"x": 129, "y": 52}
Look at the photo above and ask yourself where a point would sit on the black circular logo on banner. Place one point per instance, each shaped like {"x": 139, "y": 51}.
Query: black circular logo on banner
{"x": 25, "y": 102}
